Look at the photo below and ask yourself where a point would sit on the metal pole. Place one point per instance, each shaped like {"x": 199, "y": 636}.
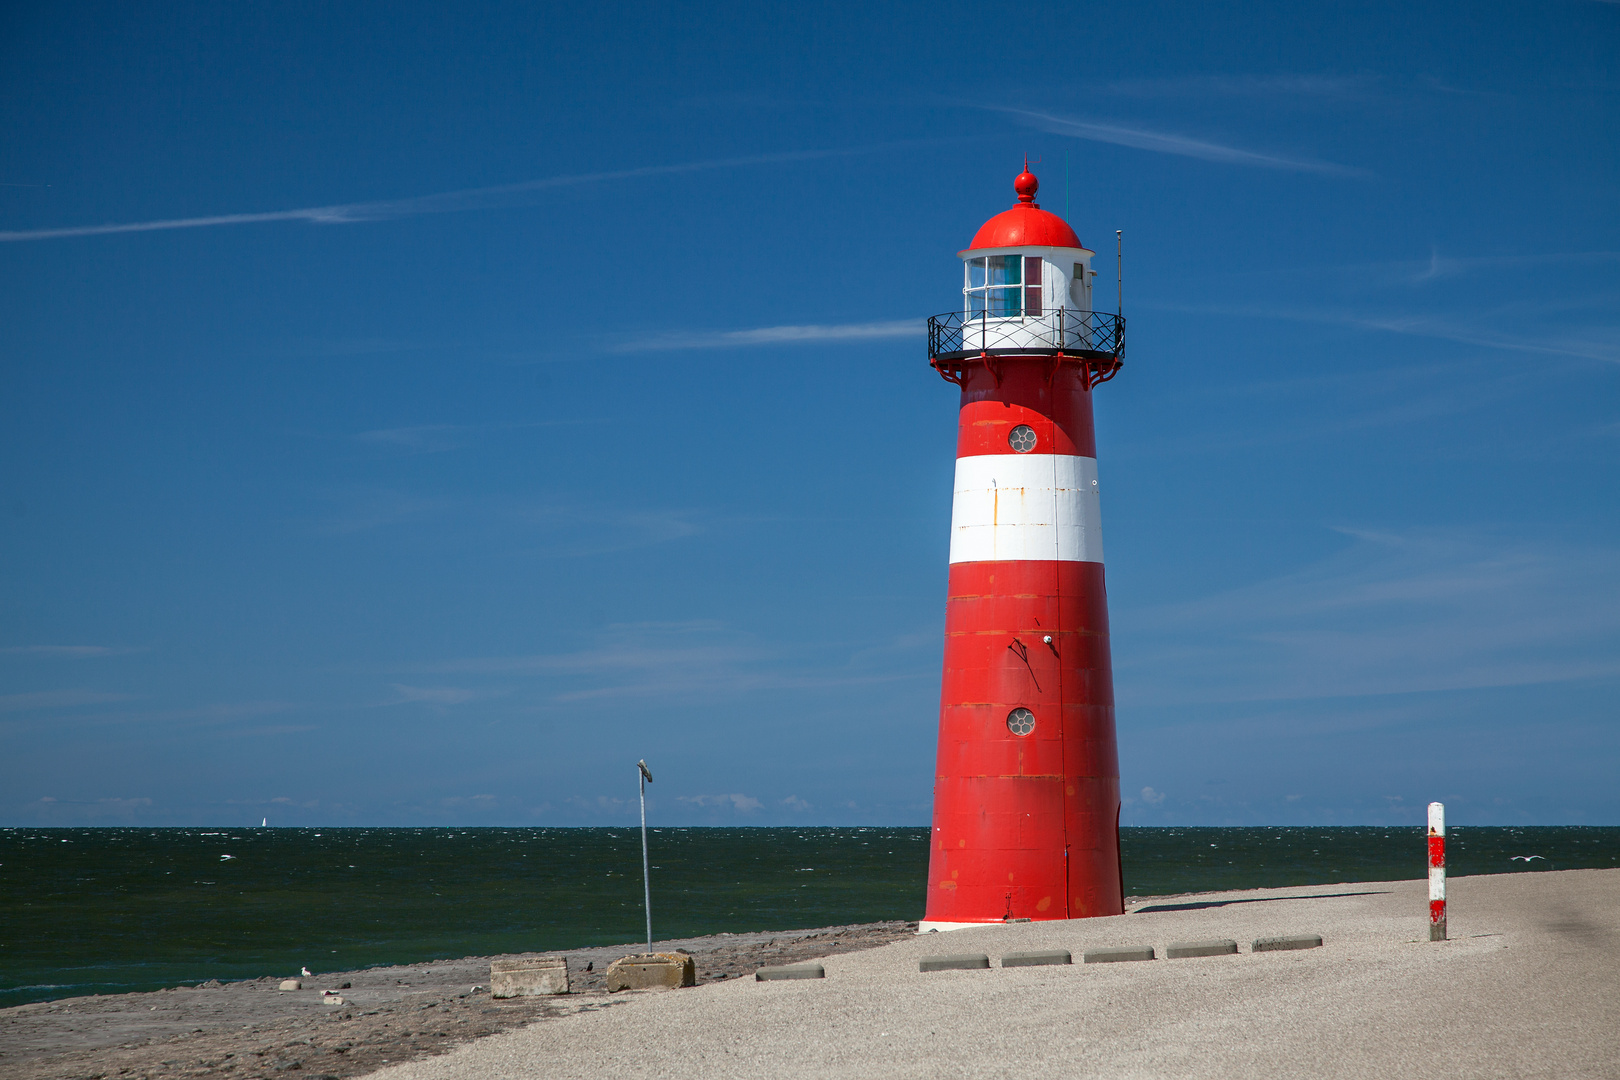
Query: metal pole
{"x": 646, "y": 872}
{"x": 1119, "y": 238}
{"x": 1437, "y": 871}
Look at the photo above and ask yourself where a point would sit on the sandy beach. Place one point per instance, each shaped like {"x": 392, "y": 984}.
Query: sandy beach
{"x": 1528, "y": 986}
{"x": 251, "y": 1029}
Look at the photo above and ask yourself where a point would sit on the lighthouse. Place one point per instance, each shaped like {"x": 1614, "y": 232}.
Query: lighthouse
{"x": 1026, "y": 786}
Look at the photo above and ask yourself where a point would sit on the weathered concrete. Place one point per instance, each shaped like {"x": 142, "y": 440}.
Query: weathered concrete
{"x": 1119, "y": 955}
{"x": 290, "y": 984}
{"x": 1284, "y": 944}
{"x": 1037, "y": 958}
{"x": 528, "y": 976}
{"x": 1178, "y": 950}
{"x": 654, "y": 971}
{"x": 954, "y": 962}
{"x": 790, "y": 971}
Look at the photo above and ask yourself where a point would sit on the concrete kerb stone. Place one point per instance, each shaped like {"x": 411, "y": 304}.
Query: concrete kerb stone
{"x": 1279, "y": 944}
{"x": 651, "y": 972}
{"x": 954, "y": 962}
{"x": 290, "y": 984}
{"x": 1119, "y": 955}
{"x": 1178, "y": 950}
{"x": 790, "y": 971}
{"x": 528, "y": 976}
{"x": 1037, "y": 958}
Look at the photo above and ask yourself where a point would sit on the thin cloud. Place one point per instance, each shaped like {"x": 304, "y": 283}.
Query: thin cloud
{"x": 68, "y": 652}
{"x": 1395, "y": 613}
{"x": 1414, "y": 326}
{"x": 55, "y": 699}
{"x": 1333, "y": 87}
{"x": 1179, "y": 145}
{"x": 769, "y": 335}
{"x": 448, "y": 202}
{"x": 430, "y": 695}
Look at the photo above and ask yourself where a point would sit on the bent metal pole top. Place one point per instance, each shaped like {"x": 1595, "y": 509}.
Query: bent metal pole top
{"x": 1026, "y": 792}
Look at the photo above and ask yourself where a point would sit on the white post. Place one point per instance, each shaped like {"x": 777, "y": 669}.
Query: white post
{"x": 646, "y": 872}
{"x": 1437, "y": 871}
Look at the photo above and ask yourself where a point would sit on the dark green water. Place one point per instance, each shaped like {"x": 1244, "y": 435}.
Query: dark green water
{"x": 86, "y": 911}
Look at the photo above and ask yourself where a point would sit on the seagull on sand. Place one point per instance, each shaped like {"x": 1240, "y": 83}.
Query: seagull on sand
{"x": 307, "y": 972}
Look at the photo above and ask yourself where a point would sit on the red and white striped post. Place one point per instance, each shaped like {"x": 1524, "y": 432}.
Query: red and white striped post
{"x": 1437, "y": 871}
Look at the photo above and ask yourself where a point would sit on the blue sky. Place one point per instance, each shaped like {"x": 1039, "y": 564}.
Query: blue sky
{"x": 416, "y": 414}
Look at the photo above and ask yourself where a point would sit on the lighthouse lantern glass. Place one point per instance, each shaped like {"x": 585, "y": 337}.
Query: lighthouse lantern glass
{"x": 995, "y": 285}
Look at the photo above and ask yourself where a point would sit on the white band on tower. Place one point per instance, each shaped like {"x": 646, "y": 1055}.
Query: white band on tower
{"x": 1027, "y": 507}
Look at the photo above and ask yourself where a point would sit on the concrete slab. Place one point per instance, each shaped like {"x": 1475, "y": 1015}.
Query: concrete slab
{"x": 790, "y": 971}
{"x": 1287, "y": 944}
{"x": 1037, "y": 958}
{"x": 528, "y": 976}
{"x": 954, "y": 962}
{"x": 1119, "y": 955}
{"x": 651, "y": 971}
{"x": 1179, "y": 950}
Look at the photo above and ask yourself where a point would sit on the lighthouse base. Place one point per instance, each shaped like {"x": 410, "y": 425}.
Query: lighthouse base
{"x": 928, "y": 926}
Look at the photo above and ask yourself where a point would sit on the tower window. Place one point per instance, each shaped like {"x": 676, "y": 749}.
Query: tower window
{"x": 1020, "y": 721}
{"x": 1021, "y": 438}
{"x": 995, "y": 285}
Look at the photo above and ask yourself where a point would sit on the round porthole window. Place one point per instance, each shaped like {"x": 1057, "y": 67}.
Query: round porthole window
{"x": 1022, "y": 438}
{"x": 1020, "y": 721}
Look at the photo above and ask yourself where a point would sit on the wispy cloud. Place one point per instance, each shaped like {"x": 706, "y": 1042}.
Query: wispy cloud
{"x": 1330, "y": 87}
{"x": 805, "y": 334}
{"x": 1164, "y": 143}
{"x": 1394, "y": 613}
{"x": 677, "y": 661}
{"x": 56, "y": 699}
{"x": 438, "y": 438}
{"x": 68, "y": 652}
{"x": 430, "y": 695}
{"x": 1433, "y": 327}
{"x": 447, "y": 202}
{"x": 745, "y": 804}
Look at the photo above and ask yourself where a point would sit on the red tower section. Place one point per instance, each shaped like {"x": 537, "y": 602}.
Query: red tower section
{"x": 1026, "y": 792}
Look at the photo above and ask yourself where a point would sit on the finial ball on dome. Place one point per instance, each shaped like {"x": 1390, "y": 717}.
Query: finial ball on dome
{"x": 1026, "y": 185}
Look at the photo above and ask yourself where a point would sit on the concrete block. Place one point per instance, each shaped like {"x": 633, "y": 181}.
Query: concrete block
{"x": 290, "y": 984}
{"x": 1178, "y": 950}
{"x": 790, "y": 971}
{"x": 528, "y": 976}
{"x": 1037, "y": 958}
{"x": 1278, "y": 944}
{"x": 651, "y": 972}
{"x": 1119, "y": 956}
{"x": 954, "y": 962}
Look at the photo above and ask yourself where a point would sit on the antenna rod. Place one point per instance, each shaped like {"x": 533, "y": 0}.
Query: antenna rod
{"x": 1119, "y": 238}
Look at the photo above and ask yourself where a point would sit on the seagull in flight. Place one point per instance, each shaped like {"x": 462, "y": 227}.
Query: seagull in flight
{"x": 1527, "y": 858}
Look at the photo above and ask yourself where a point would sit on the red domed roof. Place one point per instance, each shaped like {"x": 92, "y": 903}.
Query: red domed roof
{"x": 1026, "y": 224}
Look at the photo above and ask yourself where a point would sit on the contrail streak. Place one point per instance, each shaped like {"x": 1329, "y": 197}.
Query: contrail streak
{"x": 441, "y": 203}
{"x": 1180, "y": 145}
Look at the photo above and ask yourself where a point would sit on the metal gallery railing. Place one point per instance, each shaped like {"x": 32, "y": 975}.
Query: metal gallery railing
{"x": 1092, "y": 335}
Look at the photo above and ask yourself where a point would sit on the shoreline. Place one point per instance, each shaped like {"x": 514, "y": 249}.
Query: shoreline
{"x": 391, "y": 1015}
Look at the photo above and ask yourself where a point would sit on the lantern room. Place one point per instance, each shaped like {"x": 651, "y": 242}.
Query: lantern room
{"x": 1026, "y": 290}
{"x": 1025, "y": 262}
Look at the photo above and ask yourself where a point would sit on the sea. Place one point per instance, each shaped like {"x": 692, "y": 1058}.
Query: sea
{"x": 106, "y": 911}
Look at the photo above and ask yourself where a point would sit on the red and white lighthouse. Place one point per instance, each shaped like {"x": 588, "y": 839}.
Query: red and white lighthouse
{"x": 1026, "y": 788}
